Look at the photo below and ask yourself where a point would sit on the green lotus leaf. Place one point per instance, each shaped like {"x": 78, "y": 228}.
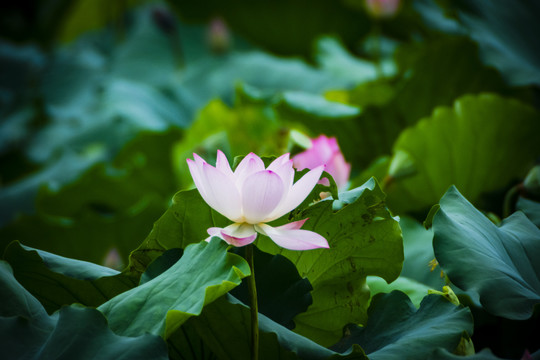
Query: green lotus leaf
{"x": 56, "y": 281}
{"x": 498, "y": 263}
{"x": 74, "y": 332}
{"x": 205, "y": 272}
{"x": 397, "y": 330}
{"x": 472, "y": 145}
{"x": 364, "y": 240}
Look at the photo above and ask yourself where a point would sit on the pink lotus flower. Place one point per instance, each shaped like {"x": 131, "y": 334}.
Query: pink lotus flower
{"x": 325, "y": 151}
{"x": 253, "y": 195}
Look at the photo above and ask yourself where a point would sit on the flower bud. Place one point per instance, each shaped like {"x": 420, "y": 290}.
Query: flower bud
{"x": 382, "y": 8}
{"x": 218, "y": 37}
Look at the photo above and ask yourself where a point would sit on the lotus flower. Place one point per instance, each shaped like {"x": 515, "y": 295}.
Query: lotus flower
{"x": 325, "y": 151}
{"x": 253, "y": 195}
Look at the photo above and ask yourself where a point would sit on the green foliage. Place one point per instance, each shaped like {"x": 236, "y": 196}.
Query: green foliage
{"x": 418, "y": 249}
{"x": 282, "y": 293}
{"x": 449, "y": 64}
{"x": 498, "y": 263}
{"x": 257, "y": 21}
{"x": 364, "y": 240}
{"x": 415, "y": 290}
{"x": 184, "y": 223}
{"x": 397, "y": 330}
{"x": 95, "y": 134}
{"x": 28, "y": 331}
{"x": 505, "y": 36}
{"x": 204, "y": 273}
{"x": 57, "y": 281}
{"x": 530, "y": 208}
{"x": 472, "y": 145}
{"x": 238, "y": 131}
{"x": 224, "y": 326}
{"x": 108, "y": 207}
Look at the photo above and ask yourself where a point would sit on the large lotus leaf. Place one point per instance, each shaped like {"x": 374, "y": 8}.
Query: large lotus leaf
{"x": 397, "y": 330}
{"x": 472, "y": 145}
{"x": 281, "y": 295}
{"x": 364, "y": 240}
{"x": 224, "y": 326}
{"x": 56, "y": 281}
{"x": 205, "y": 272}
{"x": 499, "y": 263}
{"x": 28, "y": 332}
{"x": 281, "y": 292}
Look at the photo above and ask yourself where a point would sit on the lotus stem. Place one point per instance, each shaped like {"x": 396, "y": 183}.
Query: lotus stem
{"x": 254, "y": 307}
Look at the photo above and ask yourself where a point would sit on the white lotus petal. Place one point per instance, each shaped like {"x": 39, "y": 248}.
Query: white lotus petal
{"x": 285, "y": 172}
{"x": 198, "y": 160}
{"x": 250, "y": 164}
{"x": 293, "y": 239}
{"x": 222, "y": 164}
{"x": 299, "y": 191}
{"x": 198, "y": 178}
{"x": 278, "y": 162}
{"x": 261, "y": 193}
{"x": 221, "y": 192}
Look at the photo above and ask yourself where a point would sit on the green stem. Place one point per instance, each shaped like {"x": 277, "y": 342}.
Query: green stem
{"x": 254, "y": 308}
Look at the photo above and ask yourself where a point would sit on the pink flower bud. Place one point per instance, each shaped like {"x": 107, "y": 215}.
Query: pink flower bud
{"x": 219, "y": 38}
{"x": 325, "y": 151}
{"x": 382, "y": 8}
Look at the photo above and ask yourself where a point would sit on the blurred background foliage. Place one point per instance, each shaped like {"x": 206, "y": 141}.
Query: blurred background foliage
{"x": 101, "y": 103}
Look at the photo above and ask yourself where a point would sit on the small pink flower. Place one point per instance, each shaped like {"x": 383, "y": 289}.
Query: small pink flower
{"x": 218, "y": 36}
{"x": 382, "y": 8}
{"x": 325, "y": 151}
{"x": 253, "y": 195}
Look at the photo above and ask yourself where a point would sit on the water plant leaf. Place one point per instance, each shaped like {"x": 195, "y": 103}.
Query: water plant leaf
{"x": 73, "y": 332}
{"x": 498, "y": 263}
{"x": 56, "y": 281}
{"x": 397, "y": 330}
{"x": 471, "y": 145}
{"x": 205, "y": 272}
{"x": 364, "y": 240}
